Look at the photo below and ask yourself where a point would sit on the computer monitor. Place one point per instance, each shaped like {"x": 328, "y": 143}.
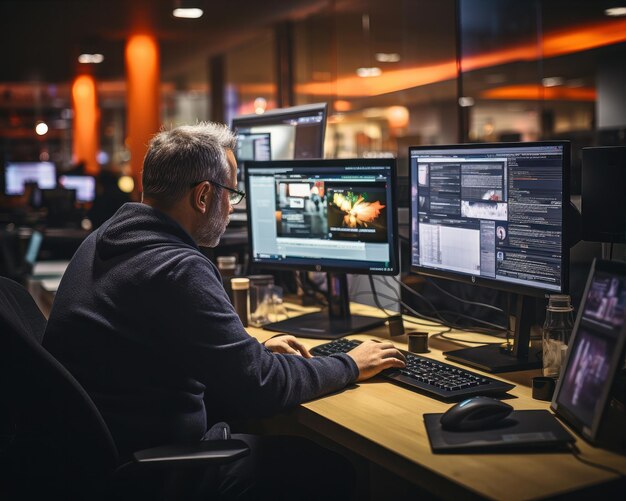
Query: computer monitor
{"x": 85, "y": 187}
{"x": 337, "y": 216}
{"x": 493, "y": 215}
{"x": 17, "y": 174}
{"x": 295, "y": 133}
{"x": 595, "y": 354}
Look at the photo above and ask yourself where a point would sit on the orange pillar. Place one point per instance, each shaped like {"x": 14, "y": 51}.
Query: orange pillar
{"x": 86, "y": 116}
{"x": 143, "y": 121}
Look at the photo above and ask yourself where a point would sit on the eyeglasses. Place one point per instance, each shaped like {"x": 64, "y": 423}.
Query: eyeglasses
{"x": 234, "y": 196}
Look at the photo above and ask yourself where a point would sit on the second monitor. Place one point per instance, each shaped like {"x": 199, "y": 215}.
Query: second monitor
{"x": 337, "y": 216}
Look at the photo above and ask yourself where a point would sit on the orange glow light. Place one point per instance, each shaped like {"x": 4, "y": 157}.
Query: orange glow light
{"x": 559, "y": 43}
{"x": 342, "y": 105}
{"x": 85, "y": 147}
{"x": 535, "y": 92}
{"x": 142, "y": 73}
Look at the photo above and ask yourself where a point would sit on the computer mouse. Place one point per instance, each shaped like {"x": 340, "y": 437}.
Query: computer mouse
{"x": 476, "y": 413}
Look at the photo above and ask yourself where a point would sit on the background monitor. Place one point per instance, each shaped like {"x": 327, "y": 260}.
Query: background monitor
{"x": 85, "y": 186}
{"x": 602, "y": 195}
{"x": 17, "y": 174}
{"x": 493, "y": 215}
{"x": 295, "y": 133}
{"x": 338, "y": 216}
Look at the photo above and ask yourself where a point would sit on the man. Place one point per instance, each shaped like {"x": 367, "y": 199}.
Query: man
{"x": 142, "y": 320}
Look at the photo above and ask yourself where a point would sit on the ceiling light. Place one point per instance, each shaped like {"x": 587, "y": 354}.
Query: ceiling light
{"x": 552, "y": 81}
{"x": 466, "y": 101}
{"x": 369, "y": 72}
{"x": 41, "y": 128}
{"x": 188, "y": 13}
{"x": 90, "y": 58}
{"x": 385, "y": 57}
{"x": 187, "y": 9}
{"x": 615, "y": 11}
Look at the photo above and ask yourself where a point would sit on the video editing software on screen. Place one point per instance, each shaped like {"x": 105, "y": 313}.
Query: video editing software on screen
{"x": 304, "y": 215}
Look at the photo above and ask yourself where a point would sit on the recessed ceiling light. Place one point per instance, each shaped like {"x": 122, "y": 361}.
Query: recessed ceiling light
{"x": 552, "y": 81}
{"x": 387, "y": 57}
{"x": 41, "y": 129}
{"x": 188, "y": 13}
{"x": 90, "y": 58}
{"x": 616, "y": 11}
{"x": 369, "y": 72}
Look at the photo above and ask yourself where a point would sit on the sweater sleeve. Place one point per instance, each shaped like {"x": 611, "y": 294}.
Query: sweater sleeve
{"x": 240, "y": 374}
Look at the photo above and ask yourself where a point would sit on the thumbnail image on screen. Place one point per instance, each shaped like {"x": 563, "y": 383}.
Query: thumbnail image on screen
{"x": 586, "y": 375}
{"x": 491, "y": 213}
{"x": 17, "y": 174}
{"x": 322, "y": 213}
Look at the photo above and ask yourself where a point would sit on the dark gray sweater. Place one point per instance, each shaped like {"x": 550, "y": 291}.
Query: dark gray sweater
{"x": 142, "y": 320}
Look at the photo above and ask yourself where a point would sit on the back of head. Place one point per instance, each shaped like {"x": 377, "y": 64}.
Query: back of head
{"x": 178, "y": 158}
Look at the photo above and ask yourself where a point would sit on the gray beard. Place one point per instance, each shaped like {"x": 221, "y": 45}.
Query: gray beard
{"x": 209, "y": 235}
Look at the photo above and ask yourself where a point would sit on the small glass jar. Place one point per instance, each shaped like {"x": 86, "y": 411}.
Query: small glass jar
{"x": 241, "y": 298}
{"x": 556, "y": 333}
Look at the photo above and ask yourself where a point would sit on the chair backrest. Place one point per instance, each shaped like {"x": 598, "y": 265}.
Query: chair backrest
{"x": 60, "y": 441}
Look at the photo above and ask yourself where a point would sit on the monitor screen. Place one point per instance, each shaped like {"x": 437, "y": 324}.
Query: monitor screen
{"x": 17, "y": 174}
{"x": 85, "y": 186}
{"x": 491, "y": 214}
{"x": 595, "y": 350}
{"x": 325, "y": 215}
{"x": 295, "y": 133}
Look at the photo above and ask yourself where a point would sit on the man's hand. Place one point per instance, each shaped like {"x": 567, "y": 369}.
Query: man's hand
{"x": 288, "y": 345}
{"x": 371, "y": 357}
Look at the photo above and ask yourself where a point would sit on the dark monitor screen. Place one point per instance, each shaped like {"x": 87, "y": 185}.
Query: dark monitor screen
{"x": 596, "y": 349}
{"x": 85, "y": 186}
{"x": 17, "y": 174}
{"x": 492, "y": 214}
{"x": 295, "y": 133}
{"x": 325, "y": 215}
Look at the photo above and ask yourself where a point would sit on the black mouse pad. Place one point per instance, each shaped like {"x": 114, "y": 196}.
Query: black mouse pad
{"x": 521, "y": 430}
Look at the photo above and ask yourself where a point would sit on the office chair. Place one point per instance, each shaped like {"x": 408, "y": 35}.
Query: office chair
{"x": 55, "y": 441}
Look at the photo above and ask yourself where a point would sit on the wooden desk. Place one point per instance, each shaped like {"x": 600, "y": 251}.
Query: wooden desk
{"x": 383, "y": 423}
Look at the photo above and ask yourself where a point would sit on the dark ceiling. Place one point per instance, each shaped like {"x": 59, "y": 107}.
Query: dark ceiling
{"x": 41, "y": 40}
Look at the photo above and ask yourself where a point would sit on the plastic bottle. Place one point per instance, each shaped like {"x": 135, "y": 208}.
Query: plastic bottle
{"x": 556, "y": 333}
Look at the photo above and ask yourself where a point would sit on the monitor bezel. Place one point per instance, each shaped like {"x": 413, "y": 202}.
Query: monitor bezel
{"x": 271, "y": 116}
{"x": 491, "y": 282}
{"x": 330, "y": 163}
{"x": 562, "y": 411}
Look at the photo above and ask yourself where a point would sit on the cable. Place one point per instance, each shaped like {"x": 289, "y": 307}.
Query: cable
{"x": 576, "y": 453}
{"x": 443, "y": 335}
{"x": 369, "y": 293}
{"x": 376, "y": 295}
{"x": 475, "y": 303}
{"x": 498, "y": 328}
{"x": 423, "y": 298}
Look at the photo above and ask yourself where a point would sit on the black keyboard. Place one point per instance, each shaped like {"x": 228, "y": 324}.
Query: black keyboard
{"x": 434, "y": 378}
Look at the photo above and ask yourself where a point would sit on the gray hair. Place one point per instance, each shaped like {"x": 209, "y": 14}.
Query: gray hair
{"x": 185, "y": 155}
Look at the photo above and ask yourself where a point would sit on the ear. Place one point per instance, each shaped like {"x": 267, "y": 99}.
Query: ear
{"x": 201, "y": 197}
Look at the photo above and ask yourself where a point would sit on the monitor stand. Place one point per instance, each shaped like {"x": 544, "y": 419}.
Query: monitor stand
{"x": 506, "y": 358}
{"x": 332, "y": 324}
